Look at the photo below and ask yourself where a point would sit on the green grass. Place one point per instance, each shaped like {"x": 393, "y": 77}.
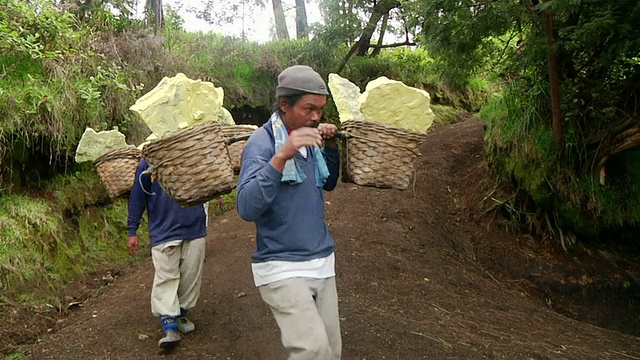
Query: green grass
{"x": 223, "y": 204}
{"x": 52, "y": 238}
{"x": 445, "y": 115}
{"x": 15, "y": 356}
{"x": 520, "y": 148}
{"x": 55, "y": 85}
{"x": 477, "y": 84}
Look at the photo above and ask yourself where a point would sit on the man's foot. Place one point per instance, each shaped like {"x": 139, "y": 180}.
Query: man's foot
{"x": 171, "y": 338}
{"x": 185, "y": 325}
{"x": 171, "y": 335}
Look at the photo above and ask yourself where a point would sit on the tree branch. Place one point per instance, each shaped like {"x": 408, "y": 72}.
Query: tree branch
{"x": 506, "y": 46}
{"x": 406, "y": 43}
{"x": 353, "y": 49}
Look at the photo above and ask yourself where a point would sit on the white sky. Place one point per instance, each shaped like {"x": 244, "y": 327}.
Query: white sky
{"x": 257, "y": 26}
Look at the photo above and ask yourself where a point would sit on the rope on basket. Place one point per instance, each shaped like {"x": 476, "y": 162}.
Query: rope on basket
{"x": 347, "y": 135}
{"x": 142, "y": 186}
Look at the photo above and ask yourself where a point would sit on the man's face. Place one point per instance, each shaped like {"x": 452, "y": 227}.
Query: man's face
{"x": 305, "y": 113}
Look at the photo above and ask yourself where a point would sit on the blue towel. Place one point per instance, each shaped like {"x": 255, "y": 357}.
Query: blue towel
{"x": 291, "y": 172}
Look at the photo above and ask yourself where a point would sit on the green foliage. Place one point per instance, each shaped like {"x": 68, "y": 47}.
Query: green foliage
{"x": 54, "y": 85}
{"x": 463, "y": 36}
{"x": 520, "y": 148}
{"x": 172, "y": 19}
{"x": 343, "y": 21}
{"x": 411, "y": 67}
{"x": 50, "y": 239}
{"x": 445, "y": 115}
{"x": 248, "y": 71}
{"x": 520, "y": 145}
{"x": 596, "y": 44}
{"x": 477, "y": 84}
{"x": 227, "y": 12}
{"x": 72, "y": 192}
{"x": 15, "y": 356}
{"x": 223, "y": 204}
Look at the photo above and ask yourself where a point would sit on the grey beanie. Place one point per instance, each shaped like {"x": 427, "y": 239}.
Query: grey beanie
{"x": 300, "y": 79}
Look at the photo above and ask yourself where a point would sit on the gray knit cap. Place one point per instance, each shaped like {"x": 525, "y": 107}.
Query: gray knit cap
{"x": 300, "y": 79}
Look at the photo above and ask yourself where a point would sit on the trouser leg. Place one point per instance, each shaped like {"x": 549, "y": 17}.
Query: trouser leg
{"x": 166, "y": 280}
{"x": 293, "y": 304}
{"x": 327, "y": 303}
{"x": 191, "y": 264}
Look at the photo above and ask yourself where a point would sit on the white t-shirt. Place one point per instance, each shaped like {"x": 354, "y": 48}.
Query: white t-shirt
{"x": 271, "y": 271}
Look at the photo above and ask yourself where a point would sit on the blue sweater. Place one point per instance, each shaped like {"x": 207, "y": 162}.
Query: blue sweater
{"x": 167, "y": 220}
{"x": 289, "y": 217}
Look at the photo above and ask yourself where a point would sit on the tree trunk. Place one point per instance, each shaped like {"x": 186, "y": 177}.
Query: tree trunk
{"x": 554, "y": 82}
{"x": 352, "y": 50}
{"x": 281, "y": 23}
{"x": 153, "y": 9}
{"x": 383, "y": 29}
{"x": 302, "y": 28}
{"x": 379, "y": 10}
{"x": 364, "y": 43}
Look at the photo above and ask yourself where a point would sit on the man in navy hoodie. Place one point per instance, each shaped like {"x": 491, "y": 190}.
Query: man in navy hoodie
{"x": 282, "y": 178}
{"x": 177, "y": 248}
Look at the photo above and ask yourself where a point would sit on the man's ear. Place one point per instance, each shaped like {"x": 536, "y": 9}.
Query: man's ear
{"x": 284, "y": 105}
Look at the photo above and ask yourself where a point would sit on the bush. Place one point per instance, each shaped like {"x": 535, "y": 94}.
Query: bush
{"x": 54, "y": 85}
{"x": 520, "y": 148}
{"x": 52, "y": 237}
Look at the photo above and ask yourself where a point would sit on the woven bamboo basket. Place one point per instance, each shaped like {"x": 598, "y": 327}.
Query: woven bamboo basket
{"x": 117, "y": 169}
{"x": 380, "y": 155}
{"x": 235, "y": 149}
{"x": 192, "y": 165}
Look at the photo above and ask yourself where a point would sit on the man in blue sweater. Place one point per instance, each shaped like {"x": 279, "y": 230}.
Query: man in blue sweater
{"x": 177, "y": 248}
{"x": 282, "y": 178}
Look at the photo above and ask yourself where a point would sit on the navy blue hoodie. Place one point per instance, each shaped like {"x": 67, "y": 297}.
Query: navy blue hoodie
{"x": 167, "y": 220}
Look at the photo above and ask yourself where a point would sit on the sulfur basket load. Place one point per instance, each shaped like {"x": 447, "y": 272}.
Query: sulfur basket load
{"x": 380, "y": 155}
{"x": 192, "y": 165}
{"x": 117, "y": 169}
{"x": 235, "y": 148}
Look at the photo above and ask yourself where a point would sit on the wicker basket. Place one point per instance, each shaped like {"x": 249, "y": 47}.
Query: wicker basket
{"x": 117, "y": 169}
{"x": 193, "y": 164}
{"x": 235, "y": 149}
{"x": 380, "y": 155}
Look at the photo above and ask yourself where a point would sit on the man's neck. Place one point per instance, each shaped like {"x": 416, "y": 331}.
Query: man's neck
{"x": 286, "y": 122}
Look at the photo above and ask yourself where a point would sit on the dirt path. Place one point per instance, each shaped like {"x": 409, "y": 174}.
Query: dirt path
{"x": 410, "y": 282}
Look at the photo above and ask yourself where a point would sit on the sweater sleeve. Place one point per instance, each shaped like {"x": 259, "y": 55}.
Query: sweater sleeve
{"x": 259, "y": 181}
{"x": 332, "y": 158}
{"x": 137, "y": 199}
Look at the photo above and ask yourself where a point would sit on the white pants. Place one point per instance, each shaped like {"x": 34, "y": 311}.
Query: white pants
{"x": 178, "y": 276}
{"x": 306, "y": 311}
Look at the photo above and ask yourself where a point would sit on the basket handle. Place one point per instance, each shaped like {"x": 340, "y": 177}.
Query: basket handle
{"x": 237, "y": 138}
{"x": 342, "y": 135}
